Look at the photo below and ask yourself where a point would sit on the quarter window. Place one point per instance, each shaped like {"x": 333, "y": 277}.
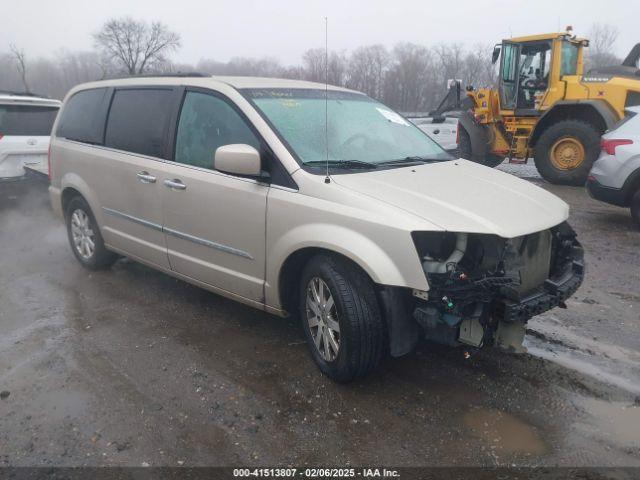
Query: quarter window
{"x": 206, "y": 123}
{"x": 83, "y": 116}
{"x": 138, "y": 120}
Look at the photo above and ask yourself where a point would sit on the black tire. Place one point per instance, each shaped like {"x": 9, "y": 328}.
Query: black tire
{"x": 100, "y": 258}
{"x": 362, "y": 330}
{"x": 464, "y": 151}
{"x": 585, "y": 133}
{"x": 635, "y": 208}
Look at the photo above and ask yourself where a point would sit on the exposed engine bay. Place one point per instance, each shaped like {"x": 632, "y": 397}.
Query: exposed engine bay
{"x": 484, "y": 288}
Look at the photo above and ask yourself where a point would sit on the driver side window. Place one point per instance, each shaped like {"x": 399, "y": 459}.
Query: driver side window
{"x": 206, "y": 123}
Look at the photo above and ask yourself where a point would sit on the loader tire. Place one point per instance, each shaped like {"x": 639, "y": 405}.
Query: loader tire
{"x": 566, "y": 151}
{"x": 465, "y": 151}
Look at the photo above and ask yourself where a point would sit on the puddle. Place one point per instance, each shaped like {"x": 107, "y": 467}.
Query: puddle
{"x": 504, "y": 433}
{"x": 62, "y": 404}
{"x": 618, "y": 421}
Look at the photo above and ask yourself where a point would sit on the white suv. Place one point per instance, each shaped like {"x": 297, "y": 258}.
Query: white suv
{"x": 323, "y": 204}
{"x": 615, "y": 176}
{"x": 25, "y": 126}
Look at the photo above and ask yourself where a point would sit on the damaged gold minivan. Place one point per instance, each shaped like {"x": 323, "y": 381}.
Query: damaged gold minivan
{"x": 323, "y": 204}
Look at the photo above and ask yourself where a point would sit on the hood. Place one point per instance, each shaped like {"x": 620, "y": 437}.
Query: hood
{"x": 462, "y": 196}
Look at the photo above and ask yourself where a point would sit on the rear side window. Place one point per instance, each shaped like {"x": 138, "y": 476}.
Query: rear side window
{"x": 26, "y": 120}
{"x": 83, "y": 115}
{"x": 138, "y": 121}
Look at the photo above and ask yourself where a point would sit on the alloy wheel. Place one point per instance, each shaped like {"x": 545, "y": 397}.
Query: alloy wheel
{"x": 82, "y": 234}
{"x": 322, "y": 318}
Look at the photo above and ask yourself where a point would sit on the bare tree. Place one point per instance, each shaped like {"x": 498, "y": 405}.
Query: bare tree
{"x": 137, "y": 46}
{"x": 212, "y": 67}
{"x": 337, "y": 69}
{"x": 317, "y": 67}
{"x": 106, "y": 65}
{"x": 313, "y": 61}
{"x": 367, "y": 68}
{"x": 477, "y": 69}
{"x": 410, "y": 80}
{"x": 252, "y": 67}
{"x": 21, "y": 60}
{"x": 602, "y": 40}
{"x": 451, "y": 61}
{"x": 295, "y": 72}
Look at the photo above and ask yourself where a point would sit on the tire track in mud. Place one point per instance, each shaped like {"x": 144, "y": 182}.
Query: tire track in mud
{"x": 607, "y": 363}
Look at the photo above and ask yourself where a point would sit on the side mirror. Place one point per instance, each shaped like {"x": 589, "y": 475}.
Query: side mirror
{"x": 237, "y": 159}
{"x": 496, "y": 54}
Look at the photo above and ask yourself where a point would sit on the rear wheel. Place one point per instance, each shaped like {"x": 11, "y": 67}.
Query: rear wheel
{"x": 635, "y": 208}
{"x": 341, "y": 318}
{"x": 84, "y": 236}
{"x": 566, "y": 151}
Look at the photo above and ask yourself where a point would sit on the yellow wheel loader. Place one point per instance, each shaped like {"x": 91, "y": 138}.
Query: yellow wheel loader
{"x": 544, "y": 107}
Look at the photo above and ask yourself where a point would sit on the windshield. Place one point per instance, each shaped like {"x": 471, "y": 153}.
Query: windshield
{"x": 26, "y": 120}
{"x": 358, "y": 129}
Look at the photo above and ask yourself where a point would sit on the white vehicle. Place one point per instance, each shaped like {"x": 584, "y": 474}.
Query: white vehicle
{"x": 444, "y": 133}
{"x": 313, "y": 201}
{"x": 615, "y": 176}
{"x": 25, "y": 126}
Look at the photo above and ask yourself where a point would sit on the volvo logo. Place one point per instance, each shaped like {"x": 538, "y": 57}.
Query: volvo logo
{"x": 32, "y": 141}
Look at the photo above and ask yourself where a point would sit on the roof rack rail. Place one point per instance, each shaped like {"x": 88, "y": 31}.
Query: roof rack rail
{"x": 22, "y": 94}
{"x": 160, "y": 75}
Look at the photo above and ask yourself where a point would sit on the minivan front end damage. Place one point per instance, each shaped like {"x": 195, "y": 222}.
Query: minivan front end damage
{"x": 484, "y": 288}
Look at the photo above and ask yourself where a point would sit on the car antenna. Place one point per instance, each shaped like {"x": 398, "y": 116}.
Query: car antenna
{"x": 326, "y": 97}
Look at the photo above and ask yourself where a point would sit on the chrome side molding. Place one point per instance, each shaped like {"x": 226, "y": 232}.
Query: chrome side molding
{"x": 181, "y": 235}
{"x": 133, "y": 219}
{"x": 208, "y": 243}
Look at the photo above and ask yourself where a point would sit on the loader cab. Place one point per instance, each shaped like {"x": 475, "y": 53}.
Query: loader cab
{"x": 530, "y": 66}
{"x": 524, "y": 75}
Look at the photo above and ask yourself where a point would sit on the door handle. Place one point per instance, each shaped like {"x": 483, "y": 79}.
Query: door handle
{"x": 175, "y": 184}
{"x": 144, "y": 177}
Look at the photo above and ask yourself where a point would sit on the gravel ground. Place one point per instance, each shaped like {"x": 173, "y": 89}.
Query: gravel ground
{"x": 130, "y": 367}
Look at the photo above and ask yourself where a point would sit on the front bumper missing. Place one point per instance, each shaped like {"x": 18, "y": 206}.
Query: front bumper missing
{"x": 482, "y": 314}
{"x": 553, "y": 293}
{"x": 496, "y": 318}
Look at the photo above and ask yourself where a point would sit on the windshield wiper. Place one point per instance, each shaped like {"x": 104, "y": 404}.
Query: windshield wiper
{"x": 342, "y": 164}
{"x": 410, "y": 161}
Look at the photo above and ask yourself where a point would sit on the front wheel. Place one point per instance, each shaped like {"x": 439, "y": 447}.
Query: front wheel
{"x": 566, "y": 151}
{"x": 341, "y": 318}
{"x": 465, "y": 151}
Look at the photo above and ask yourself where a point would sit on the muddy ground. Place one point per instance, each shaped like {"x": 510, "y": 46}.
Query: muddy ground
{"x": 131, "y": 367}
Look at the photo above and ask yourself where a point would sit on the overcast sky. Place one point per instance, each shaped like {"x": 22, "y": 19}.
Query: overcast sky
{"x": 284, "y": 29}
